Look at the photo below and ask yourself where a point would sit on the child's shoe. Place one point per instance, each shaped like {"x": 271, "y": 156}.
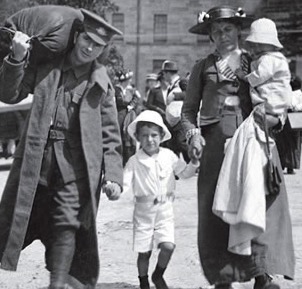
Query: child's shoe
{"x": 144, "y": 282}
{"x": 157, "y": 278}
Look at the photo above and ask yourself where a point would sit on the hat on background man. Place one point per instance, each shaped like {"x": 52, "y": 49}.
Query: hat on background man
{"x": 264, "y": 31}
{"x": 169, "y": 65}
{"x": 149, "y": 116}
{"x": 205, "y": 19}
{"x": 97, "y": 28}
{"x": 151, "y": 76}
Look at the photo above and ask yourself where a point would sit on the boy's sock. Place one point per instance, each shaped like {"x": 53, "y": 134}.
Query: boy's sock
{"x": 144, "y": 282}
{"x": 157, "y": 278}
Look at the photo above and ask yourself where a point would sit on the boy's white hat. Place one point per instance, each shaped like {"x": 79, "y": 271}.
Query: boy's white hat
{"x": 149, "y": 116}
{"x": 264, "y": 31}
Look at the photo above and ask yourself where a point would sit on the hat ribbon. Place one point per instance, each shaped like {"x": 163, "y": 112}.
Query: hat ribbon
{"x": 240, "y": 12}
{"x": 204, "y": 16}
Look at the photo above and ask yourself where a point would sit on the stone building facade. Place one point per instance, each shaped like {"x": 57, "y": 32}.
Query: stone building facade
{"x": 156, "y": 30}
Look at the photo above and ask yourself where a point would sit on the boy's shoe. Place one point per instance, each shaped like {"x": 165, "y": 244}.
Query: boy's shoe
{"x": 144, "y": 282}
{"x": 290, "y": 171}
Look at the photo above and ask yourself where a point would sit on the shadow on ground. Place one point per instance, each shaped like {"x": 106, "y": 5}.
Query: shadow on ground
{"x": 123, "y": 285}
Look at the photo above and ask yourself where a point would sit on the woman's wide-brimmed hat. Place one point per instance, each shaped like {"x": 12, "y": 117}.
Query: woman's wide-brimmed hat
{"x": 264, "y": 31}
{"x": 205, "y": 19}
{"x": 149, "y": 116}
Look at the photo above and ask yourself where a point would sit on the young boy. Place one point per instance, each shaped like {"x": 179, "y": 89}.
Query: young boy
{"x": 150, "y": 175}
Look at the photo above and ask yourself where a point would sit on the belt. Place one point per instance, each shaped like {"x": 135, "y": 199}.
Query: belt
{"x": 231, "y": 108}
{"x": 155, "y": 199}
{"x": 56, "y": 134}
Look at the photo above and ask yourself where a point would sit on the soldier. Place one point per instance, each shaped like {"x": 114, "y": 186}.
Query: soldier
{"x": 71, "y": 149}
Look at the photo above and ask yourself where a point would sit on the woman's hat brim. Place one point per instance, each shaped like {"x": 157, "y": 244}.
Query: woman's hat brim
{"x": 203, "y": 28}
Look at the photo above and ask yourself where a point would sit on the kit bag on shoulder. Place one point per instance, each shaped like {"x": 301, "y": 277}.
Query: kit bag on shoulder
{"x": 51, "y": 27}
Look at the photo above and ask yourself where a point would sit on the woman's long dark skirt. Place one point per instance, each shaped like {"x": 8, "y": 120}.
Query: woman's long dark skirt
{"x": 272, "y": 252}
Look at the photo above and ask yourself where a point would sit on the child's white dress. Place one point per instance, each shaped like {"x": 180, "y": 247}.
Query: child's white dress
{"x": 270, "y": 82}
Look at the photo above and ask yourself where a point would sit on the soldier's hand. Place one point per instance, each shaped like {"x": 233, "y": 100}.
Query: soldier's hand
{"x": 112, "y": 190}
{"x": 20, "y": 46}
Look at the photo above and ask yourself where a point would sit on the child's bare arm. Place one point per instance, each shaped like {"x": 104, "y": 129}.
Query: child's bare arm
{"x": 189, "y": 170}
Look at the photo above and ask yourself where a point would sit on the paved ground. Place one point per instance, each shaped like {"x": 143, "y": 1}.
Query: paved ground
{"x": 118, "y": 262}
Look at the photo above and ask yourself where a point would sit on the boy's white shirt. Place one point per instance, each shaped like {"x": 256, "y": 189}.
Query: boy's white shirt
{"x": 146, "y": 175}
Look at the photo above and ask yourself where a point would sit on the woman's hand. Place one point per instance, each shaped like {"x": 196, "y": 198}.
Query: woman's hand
{"x": 272, "y": 120}
{"x": 196, "y": 145}
{"x": 20, "y": 46}
{"x": 260, "y": 115}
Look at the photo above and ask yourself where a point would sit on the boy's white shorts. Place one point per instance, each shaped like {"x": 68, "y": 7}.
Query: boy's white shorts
{"x": 152, "y": 225}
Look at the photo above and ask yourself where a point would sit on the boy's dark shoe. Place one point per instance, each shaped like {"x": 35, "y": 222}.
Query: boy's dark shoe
{"x": 144, "y": 282}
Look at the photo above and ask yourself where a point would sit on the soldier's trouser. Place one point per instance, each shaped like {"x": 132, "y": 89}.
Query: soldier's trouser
{"x": 65, "y": 203}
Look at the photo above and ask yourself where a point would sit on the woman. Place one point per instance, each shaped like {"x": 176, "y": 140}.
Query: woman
{"x": 127, "y": 104}
{"x": 225, "y": 103}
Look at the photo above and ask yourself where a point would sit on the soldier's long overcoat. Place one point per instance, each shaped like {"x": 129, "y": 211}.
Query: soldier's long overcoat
{"x": 101, "y": 144}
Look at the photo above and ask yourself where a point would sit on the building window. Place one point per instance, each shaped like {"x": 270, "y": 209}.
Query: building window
{"x": 160, "y": 28}
{"x": 157, "y": 63}
{"x": 118, "y": 21}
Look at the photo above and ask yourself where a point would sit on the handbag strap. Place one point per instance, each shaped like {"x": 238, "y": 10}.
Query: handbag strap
{"x": 268, "y": 150}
